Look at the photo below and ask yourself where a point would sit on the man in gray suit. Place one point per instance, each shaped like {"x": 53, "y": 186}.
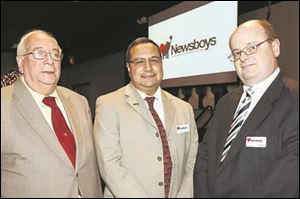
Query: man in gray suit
{"x": 251, "y": 147}
{"x": 145, "y": 150}
{"x": 46, "y": 151}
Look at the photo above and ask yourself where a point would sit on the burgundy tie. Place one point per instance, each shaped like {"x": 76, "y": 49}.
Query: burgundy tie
{"x": 166, "y": 151}
{"x": 61, "y": 129}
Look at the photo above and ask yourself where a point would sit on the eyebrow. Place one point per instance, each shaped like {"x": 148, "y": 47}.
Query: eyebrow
{"x": 146, "y": 58}
{"x": 155, "y": 57}
{"x": 37, "y": 48}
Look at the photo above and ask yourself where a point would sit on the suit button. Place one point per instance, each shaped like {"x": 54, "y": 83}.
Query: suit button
{"x": 76, "y": 175}
{"x": 157, "y": 134}
{"x": 160, "y": 184}
{"x": 159, "y": 158}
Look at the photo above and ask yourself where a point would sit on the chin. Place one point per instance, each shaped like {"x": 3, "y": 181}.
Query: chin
{"x": 49, "y": 82}
{"x": 151, "y": 84}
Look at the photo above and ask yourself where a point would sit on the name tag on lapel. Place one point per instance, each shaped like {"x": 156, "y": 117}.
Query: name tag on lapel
{"x": 184, "y": 128}
{"x": 258, "y": 142}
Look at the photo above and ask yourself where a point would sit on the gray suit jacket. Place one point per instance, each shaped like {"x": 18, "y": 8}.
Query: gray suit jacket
{"x": 33, "y": 163}
{"x": 272, "y": 171}
{"x": 128, "y": 149}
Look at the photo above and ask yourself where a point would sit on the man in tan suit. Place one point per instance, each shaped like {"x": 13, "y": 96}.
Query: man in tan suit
{"x": 145, "y": 151}
{"x": 37, "y": 158}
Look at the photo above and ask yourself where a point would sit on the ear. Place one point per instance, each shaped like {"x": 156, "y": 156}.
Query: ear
{"x": 276, "y": 47}
{"x": 127, "y": 66}
{"x": 20, "y": 63}
{"x": 128, "y": 69}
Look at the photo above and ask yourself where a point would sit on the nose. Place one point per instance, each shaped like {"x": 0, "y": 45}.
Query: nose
{"x": 49, "y": 59}
{"x": 148, "y": 66}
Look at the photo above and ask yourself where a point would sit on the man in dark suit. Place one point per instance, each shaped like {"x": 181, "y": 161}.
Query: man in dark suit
{"x": 251, "y": 147}
{"x": 45, "y": 151}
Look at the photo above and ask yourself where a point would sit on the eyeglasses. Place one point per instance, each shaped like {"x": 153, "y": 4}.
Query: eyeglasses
{"x": 143, "y": 61}
{"x": 41, "y": 54}
{"x": 248, "y": 50}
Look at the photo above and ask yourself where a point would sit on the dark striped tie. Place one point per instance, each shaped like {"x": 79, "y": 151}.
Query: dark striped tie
{"x": 237, "y": 122}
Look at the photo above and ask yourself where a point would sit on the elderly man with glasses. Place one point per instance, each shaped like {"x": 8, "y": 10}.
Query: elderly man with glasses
{"x": 46, "y": 130}
{"x": 251, "y": 147}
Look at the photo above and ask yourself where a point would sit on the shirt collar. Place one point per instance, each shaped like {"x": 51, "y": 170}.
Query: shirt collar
{"x": 37, "y": 95}
{"x": 262, "y": 86}
{"x": 157, "y": 94}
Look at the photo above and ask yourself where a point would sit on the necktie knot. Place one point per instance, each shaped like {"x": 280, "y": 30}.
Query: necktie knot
{"x": 249, "y": 92}
{"x": 49, "y": 101}
{"x": 150, "y": 101}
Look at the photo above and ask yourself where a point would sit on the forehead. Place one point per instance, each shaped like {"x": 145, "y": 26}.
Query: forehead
{"x": 41, "y": 40}
{"x": 144, "y": 49}
{"x": 247, "y": 34}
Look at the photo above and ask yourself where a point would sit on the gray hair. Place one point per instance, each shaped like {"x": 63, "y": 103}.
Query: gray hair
{"x": 22, "y": 46}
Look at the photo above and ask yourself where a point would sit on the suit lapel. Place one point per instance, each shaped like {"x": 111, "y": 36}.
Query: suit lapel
{"x": 74, "y": 122}
{"x": 137, "y": 103}
{"x": 27, "y": 107}
{"x": 258, "y": 114}
{"x": 169, "y": 110}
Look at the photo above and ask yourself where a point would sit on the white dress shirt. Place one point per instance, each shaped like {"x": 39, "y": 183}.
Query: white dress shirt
{"x": 258, "y": 89}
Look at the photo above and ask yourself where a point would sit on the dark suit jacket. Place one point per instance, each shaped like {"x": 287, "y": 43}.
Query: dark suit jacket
{"x": 272, "y": 171}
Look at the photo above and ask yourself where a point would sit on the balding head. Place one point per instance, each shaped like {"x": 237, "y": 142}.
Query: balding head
{"x": 263, "y": 25}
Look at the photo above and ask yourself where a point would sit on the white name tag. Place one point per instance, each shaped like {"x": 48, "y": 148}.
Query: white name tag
{"x": 260, "y": 142}
{"x": 184, "y": 128}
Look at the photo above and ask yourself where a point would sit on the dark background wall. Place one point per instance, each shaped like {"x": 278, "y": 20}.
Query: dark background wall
{"x": 107, "y": 73}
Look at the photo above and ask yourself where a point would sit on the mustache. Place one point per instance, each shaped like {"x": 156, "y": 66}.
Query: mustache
{"x": 148, "y": 74}
{"x": 247, "y": 63}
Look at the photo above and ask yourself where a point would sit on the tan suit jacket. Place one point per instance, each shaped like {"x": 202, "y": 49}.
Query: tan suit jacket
{"x": 129, "y": 152}
{"x": 33, "y": 163}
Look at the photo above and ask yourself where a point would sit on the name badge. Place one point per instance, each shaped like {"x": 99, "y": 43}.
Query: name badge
{"x": 184, "y": 128}
{"x": 258, "y": 142}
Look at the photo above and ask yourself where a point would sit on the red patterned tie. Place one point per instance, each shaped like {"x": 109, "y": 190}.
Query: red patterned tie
{"x": 166, "y": 151}
{"x": 61, "y": 129}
